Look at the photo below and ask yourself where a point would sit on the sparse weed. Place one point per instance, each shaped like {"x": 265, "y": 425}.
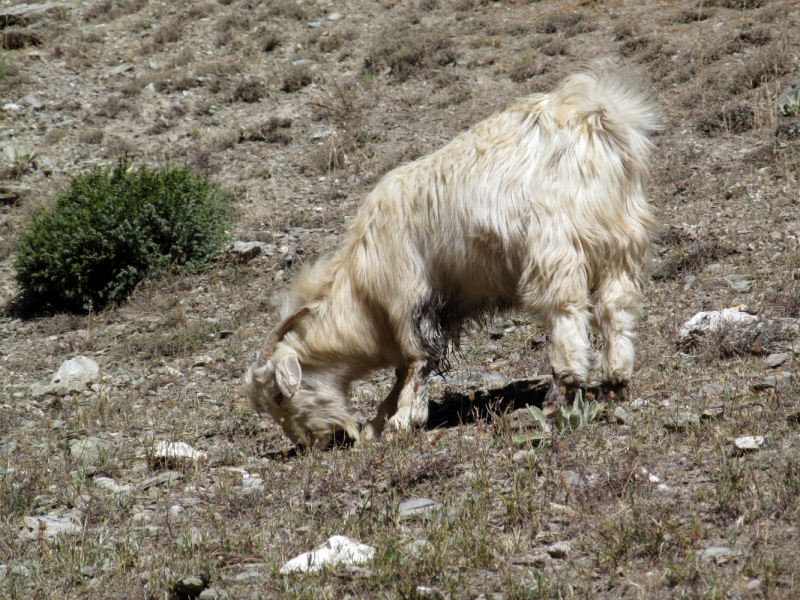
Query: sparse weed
{"x": 526, "y": 65}
{"x": 295, "y": 78}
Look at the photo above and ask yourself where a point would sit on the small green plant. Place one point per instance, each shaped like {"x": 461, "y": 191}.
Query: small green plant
{"x": 582, "y": 413}
{"x": 19, "y": 161}
{"x": 789, "y": 105}
{"x": 113, "y": 228}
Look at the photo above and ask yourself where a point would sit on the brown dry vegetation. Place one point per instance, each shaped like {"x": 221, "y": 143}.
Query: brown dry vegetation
{"x": 213, "y": 85}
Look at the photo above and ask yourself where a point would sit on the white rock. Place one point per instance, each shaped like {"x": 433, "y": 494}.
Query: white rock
{"x": 80, "y": 368}
{"x": 713, "y": 321}
{"x": 335, "y": 16}
{"x": 338, "y": 549}
{"x": 749, "y": 442}
{"x": 11, "y": 107}
{"x": 176, "y": 452}
{"x": 74, "y": 375}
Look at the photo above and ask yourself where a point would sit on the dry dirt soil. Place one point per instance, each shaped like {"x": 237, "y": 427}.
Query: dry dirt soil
{"x": 299, "y": 108}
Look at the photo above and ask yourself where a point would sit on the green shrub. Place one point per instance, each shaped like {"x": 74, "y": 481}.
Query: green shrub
{"x": 113, "y": 228}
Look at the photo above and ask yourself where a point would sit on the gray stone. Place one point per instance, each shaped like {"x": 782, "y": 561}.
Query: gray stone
{"x": 572, "y": 479}
{"x": 112, "y": 486}
{"x": 141, "y": 518}
{"x": 166, "y": 478}
{"x": 20, "y": 571}
{"x": 741, "y": 286}
{"x": 33, "y": 102}
{"x": 769, "y": 382}
{"x": 315, "y": 23}
{"x": 773, "y": 361}
{"x": 753, "y": 584}
{"x": 524, "y": 458}
{"x": 249, "y": 577}
{"x": 302, "y": 61}
{"x": 416, "y": 508}
{"x": 559, "y": 550}
{"x": 209, "y": 594}
{"x": 532, "y": 560}
{"x": 88, "y": 449}
{"x": 720, "y": 554}
{"x": 189, "y": 586}
{"x": 3, "y": 571}
{"x": 711, "y": 390}
{"x": 246, "y": 251}
{"x": 7, "y": 448}
{"x": 681, "y": 421}
{"x": 48, "y": 527}
{"x": 88, "y": 571}
{"x": 322, "y": 134}
{"x": 335, "y": 16}
{"x": 771, "y": 336}
{"x": 417, "y": 546}
{"x": 713, "y": 413}
{"x": 620, "y": 416}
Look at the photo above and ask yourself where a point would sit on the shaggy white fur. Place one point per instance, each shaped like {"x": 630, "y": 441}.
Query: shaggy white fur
{"x": 540, "y": 208}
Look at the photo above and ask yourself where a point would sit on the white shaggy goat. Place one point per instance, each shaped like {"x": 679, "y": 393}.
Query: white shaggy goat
{"x": 540, "y": 208}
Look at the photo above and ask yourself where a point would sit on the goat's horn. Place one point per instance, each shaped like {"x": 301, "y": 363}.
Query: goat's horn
{"x": 277, "y": 334}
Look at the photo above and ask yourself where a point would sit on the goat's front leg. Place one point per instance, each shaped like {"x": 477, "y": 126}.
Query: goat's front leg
{"x": 570, "y": 354}
{"x": 387, "y": 408}
{"x": 616, "y": 310}
{"x": 412, "y": 403}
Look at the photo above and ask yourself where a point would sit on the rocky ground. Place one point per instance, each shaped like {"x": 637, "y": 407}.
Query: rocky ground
{"x": 299, "y": 108}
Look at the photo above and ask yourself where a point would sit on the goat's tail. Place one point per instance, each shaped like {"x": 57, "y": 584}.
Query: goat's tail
{"x": 611, "y": 103}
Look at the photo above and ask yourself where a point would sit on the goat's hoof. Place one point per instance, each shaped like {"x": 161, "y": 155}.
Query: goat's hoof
{"x": 561, "y": 393}
{"x": 554, "y": 399}
{"x": 613, "y": 391}
{"x": 370, "y": 431}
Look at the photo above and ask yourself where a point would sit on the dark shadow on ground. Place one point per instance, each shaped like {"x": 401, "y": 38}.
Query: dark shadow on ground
{"x": 455, "y": 408}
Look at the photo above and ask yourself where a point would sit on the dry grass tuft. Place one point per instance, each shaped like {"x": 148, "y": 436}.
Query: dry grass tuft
{"x": 526, "y": 65}
{"x": 295, "y": 78}
{"x": 407, "y": 54}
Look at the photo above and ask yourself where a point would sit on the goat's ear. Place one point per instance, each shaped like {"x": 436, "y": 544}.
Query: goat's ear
{"x": 288, "y": 374}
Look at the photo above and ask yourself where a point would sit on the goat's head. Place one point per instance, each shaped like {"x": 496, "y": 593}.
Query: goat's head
{"x": 307, "y": 409}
